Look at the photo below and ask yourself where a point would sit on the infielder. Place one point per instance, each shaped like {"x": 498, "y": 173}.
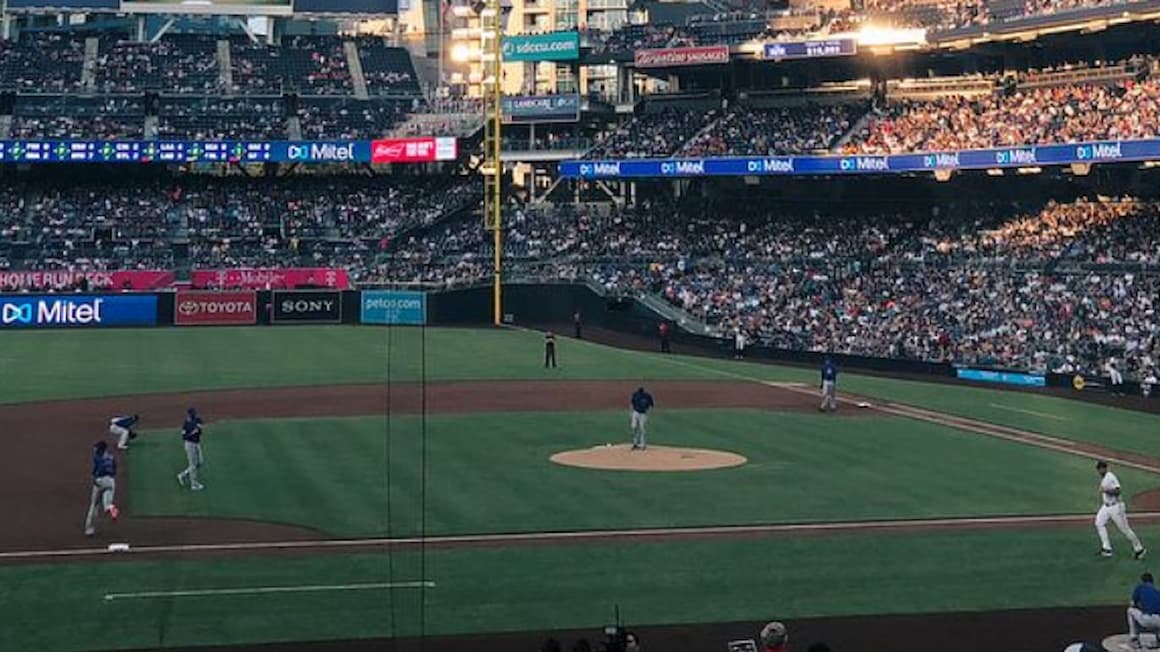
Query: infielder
{"x": 641, "y": 402}
{"x": 104, "y": 487}
{"x": 122, "y": 429}
{"x": 829, "y": 386}
{"x": 1144, "y": 614}
{"x": 1113, "y": 509}
{"x": 191, "y": 439}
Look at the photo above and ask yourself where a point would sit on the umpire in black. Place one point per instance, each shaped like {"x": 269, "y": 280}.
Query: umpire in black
{"x": 549, "y": 350}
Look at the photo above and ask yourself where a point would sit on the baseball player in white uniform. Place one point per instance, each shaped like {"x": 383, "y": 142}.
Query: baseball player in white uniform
{"x": 1113, "y": 509}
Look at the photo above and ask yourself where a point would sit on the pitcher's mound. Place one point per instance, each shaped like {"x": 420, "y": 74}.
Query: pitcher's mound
{"x": 621, "y": 457}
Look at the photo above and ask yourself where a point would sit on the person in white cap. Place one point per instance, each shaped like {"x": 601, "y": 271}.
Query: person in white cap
{"x": 774, "y": 637}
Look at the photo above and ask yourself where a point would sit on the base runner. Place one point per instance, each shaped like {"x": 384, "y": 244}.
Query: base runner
{"x": 104, "y": 489}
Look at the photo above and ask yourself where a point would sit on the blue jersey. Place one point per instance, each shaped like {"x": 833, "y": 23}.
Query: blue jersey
{"x": 191, "y": 429}
{"x": 125, "y": 422}
{"x": 830, "y": 373}
{"x": 642, "y": 401}
{"x": 104, "y": 465}
{"x": 1147, "y": 597}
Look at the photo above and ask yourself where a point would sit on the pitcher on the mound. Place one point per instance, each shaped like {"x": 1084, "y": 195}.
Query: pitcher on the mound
{"x": 641, "y": 403}
{"x": 1113, "y": 509}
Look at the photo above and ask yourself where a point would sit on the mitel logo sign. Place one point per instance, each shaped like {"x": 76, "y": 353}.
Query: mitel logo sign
{"x": 307, "y": 307}
{"x": 78, "y": 311}
{"x": 14, "y": 314}
{"x": 320, "y": 152}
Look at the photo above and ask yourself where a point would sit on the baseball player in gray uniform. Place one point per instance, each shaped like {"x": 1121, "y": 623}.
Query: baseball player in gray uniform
{"x": 191, "y": 439}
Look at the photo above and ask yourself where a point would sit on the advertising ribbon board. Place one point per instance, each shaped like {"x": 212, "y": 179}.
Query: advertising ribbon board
{"x": 675, "y": 57}
{"x": 306, "y": 307}
{"x": 202, "y": 308}
{"x": 77, "y": 311}
{"x": 394, "y": 307}
{"x": 555, "y": 46}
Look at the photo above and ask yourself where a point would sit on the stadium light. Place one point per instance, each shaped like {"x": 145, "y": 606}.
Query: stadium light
{"x": 461, "y": 53}
{"x": 871, "y": 35}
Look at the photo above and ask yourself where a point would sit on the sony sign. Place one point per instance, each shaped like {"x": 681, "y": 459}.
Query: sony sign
{"x": 307, "y": 307}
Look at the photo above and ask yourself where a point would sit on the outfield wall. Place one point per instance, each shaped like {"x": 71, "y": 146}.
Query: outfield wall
{"x": 533, "y": 305}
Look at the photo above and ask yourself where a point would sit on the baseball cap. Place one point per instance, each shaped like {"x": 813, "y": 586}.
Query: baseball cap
{"x": 774, "y": 633}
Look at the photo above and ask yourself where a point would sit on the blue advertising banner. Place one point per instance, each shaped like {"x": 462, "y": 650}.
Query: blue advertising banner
{"x": 346, "y": 6}
{"x": 547, "y": 108}
{"x": 143, "y": 151}
{"x": 394, "y": 307}
{"x": 554, "y": 46}
{"x": 835, "y": 47}
{"x": 77, "y": 310}
{"x": 976, "y": 159}
{"x": 111, "y": 5}
{"x": 1003, "y": 377}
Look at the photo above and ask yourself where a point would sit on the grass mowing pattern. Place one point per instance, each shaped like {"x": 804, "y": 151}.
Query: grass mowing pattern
{"x": 491, "y": 473}
{"x": 59, "y": 608}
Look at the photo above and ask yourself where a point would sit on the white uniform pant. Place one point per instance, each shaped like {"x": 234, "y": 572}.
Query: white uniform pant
{"x": 195, "y": 460}
{"x": 122, "y": 435}
{"x": 638, "y": 423}
{"x": 1115, "y": 376}
{"x": 1118, "y": 515}
{"x": 100, "y": 498}
{"x": 1139, "y": 621}
{"x": 829, "y": 395}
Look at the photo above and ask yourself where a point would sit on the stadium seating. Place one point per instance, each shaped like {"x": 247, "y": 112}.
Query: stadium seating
{"x": 182, "y": 64}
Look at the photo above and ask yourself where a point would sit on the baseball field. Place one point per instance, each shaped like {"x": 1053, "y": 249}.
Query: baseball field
{"x": 395, "y": 482}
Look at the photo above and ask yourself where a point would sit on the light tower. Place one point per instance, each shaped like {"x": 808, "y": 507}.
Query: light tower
{"x": 491, "y": 56}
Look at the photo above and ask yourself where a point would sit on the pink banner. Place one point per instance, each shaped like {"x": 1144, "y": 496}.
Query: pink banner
{"x": 139, "y": 280}
{"x": 272, "y": 279}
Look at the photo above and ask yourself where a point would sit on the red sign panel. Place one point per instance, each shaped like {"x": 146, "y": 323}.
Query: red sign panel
{"x": 137, "y": 280}
{"x": 193, "y": 308}
{"x": 673, "y": 57}
{"x": 270, "y": 279}
{"x": 413, "y": 150}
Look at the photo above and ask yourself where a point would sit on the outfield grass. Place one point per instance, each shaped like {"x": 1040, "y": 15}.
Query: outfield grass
{"x": 73, "y": 364}
{"x": 61, "y": 607}
{"x": 491, "y": 473}
{"x": 88, "y": 363}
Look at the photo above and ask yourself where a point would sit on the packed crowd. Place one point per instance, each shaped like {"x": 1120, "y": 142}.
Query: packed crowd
{"x": 1055, "y": 114}
{"x": 774, "y": 131}
{"x": 1122, "y": 110}
{"x": 654, "y": 134}
{"x": 1062, "y": 288}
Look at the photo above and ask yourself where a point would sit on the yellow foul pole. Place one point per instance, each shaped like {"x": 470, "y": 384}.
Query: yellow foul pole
{"x": 491, "y": 49}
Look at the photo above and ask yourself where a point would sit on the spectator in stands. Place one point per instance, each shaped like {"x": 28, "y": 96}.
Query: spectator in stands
{"x": 774, "y": 637}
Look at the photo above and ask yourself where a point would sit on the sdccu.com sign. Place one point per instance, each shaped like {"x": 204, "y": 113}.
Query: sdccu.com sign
{"x": 306, "y": 307}
{"x": 77, "y": 311}
{"x": 394, "y": 307}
